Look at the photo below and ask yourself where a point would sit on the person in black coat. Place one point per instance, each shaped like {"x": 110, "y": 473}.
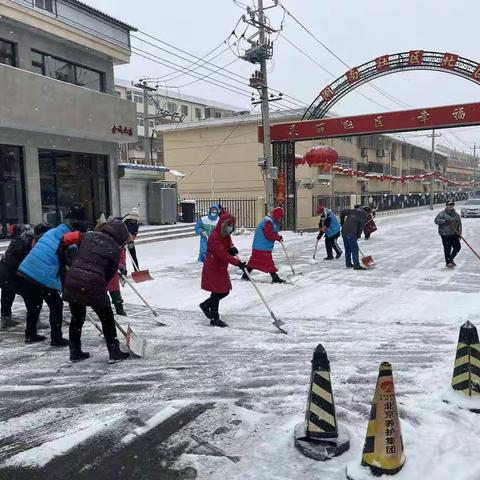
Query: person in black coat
{"x": 86, "y": 285}
{"x": 352, "y": 222}
{"x": 24, "y": 236}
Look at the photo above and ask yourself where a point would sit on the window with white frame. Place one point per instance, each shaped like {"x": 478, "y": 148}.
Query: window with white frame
{"x": 48, "y": 5}
{"x": 198, "y": 113}
{"x": 140, "y": 121}
{"x": 185, "y": 110}
{"x": 171, "y": 107}
{"x": 138, "y": 98}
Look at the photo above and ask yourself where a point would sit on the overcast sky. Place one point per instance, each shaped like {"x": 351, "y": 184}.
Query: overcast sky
{"x": 356, "y": 30}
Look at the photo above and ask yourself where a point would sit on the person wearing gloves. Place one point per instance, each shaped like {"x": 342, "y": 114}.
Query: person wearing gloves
{"x": 204, "y": 226}
{"x": 131, "y": 221}
{"x": 450, "y": 229}
{"x": 95, "y": 264}
{"x": 370, "y": 226}
{"x": 215, "y": 278}
{"x": 263, "y": 242}
{"x": 329, "y": 227}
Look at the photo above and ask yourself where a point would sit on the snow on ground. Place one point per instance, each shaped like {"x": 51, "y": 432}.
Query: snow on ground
{"x": 204, "y": 396}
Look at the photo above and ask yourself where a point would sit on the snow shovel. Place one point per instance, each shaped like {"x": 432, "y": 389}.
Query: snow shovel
{"x": 315, "y": 251}
{"x": 139, "y": 276}
{"x": 276, "y": 322}
{"x": 367, "y": 261}
{"x": 469, "y": 246}
{"x": 289, "y": 262}
{"x": 139, "y": 295}
{"x": 134, "y": 343}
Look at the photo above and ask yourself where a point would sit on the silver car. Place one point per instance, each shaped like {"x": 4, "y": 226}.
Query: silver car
{"x": 471, "y": 208}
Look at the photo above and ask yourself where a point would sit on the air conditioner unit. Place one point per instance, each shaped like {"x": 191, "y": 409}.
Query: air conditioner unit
{"x": 380, "y": 153}
{"x": 364, "y": 152}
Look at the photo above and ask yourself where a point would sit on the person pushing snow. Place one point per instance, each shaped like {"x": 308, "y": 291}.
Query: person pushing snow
{"x": 330, "y": 227}
{"x": 449, "y": 228}
{"x": 204, "y": 228}
{"x": 263, "y": 242}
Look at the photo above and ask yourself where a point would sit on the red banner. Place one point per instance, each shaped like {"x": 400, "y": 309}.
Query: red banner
{"x": 389, "y": 122}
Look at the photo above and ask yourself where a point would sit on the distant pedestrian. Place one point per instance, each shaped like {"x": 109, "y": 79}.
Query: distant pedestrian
{"x": 266, "y": 235}
{"x": 204, "y": 227}
{"x": 131, "y": 220}
{"x": 450, "y": 229}
{"x": 370, "y": 225}
{"x": 215, "y": 278}
{"x": 352, "y": 221}
{"x": 330, "y": 227}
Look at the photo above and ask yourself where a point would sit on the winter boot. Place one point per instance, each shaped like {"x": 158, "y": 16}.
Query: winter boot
{"x": 120, "y": 310}
{"x": 338, "y": 255}
{"x": 277, "y": 279}
{"x": 76, "y": 354}
{"x": 358, "y": 267}
{"x": 116, "y": 355}
{"x": 216, "y": 322}
{"x": 34, "y": 338}
{"x": 7, "y": 321}
{"x": 59, "y": 342}
{"x": 328, "y": 258}
{"x": 205, "y": 307}
{"x": 450, "y": 265}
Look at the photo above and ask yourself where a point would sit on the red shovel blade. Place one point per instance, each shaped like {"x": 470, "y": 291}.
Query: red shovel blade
{"x": 141, "y": 276}
{"x": 368, "y": 261}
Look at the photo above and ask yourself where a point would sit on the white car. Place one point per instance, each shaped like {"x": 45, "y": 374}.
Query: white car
{"x": 471, "y": 208}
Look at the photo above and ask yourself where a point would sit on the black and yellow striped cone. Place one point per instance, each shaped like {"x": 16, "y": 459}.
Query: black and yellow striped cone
{"x": 466, "y": 374}
{"x": 383, "y": 448}
{"x": 320, "y": 436}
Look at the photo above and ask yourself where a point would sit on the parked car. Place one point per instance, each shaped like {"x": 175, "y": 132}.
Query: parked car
{"x": 471, "y": 208}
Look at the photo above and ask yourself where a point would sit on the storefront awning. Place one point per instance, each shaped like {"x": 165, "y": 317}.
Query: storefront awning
{"x": 151, "y": 168}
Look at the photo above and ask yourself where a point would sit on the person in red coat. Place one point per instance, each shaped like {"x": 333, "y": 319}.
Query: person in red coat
{"x": 266, "y": 235}
{"x": 215, "y": 278}
{"x": 370, "y": 226}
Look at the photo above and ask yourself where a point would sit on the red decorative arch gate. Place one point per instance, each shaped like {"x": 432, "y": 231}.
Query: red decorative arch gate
{"x": 389, "y": 64}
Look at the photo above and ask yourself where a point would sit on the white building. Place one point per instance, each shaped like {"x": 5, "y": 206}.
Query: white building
{"x": 167, "y": 106}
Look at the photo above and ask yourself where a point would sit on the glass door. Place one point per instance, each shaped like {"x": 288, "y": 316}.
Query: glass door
{"x": 12, "y": 188}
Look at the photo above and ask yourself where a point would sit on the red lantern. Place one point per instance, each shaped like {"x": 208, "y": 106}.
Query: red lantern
{"x": 299, "y": 160}
{"x": 321, "y": 155}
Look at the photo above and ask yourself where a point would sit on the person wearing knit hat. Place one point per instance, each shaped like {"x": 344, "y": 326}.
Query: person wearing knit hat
{"x": 131, "y": 220}
{"x": 263, "y": 242}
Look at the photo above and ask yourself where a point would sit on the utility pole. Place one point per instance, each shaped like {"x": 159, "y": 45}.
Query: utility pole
{"x": 432, "y": 166}
{"x": 475, "y": 165}
{"x": 259, "y": 52}
{"x": 146, "y": 119}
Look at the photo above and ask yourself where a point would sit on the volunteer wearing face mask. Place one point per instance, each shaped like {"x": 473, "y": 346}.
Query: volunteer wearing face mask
{"x": 263, "y": 242}
{"x": 204, "y": 228}
{"x": 215, "y": 277}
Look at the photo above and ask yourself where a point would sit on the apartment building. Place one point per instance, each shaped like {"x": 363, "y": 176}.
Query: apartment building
{"x": 219, "y": 159}
{"x": 166, "y": 107}
{"x": 61, "y": 122}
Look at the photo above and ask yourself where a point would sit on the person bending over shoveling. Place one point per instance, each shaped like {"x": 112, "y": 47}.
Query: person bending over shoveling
{"x": 450, "y": 229}
{"x": 215, "y": 278}
{"x": 263, "y": 242}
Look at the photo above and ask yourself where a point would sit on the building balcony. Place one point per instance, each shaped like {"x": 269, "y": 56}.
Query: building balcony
{"x": 40, "y": 104}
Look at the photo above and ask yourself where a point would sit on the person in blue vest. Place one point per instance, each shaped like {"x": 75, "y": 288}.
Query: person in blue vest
{"x": 41, "y": 279}
{"x": 330, "y": 227}
{"x": 204, "y": 227}
{"x": 263, "y": 242}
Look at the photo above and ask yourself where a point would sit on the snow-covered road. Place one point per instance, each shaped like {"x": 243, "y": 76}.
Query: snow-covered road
{"x": 242, "y": 389}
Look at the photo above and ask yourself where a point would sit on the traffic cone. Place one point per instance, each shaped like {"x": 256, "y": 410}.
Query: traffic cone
{"x": 320, "y": 437}
{"x": 383, "y": 449}
{"x": 466, "y": 374}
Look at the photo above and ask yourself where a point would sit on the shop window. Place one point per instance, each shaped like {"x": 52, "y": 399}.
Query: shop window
{"x": 7, "y": 53}
{"x": 69, "y": 178}
{"x": 12, "y": 188}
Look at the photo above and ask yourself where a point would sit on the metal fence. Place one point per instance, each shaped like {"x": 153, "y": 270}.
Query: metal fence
{"x": 409, "y": 200}
{"x": 243, "y": 209}
{"x": 337, "y": 203}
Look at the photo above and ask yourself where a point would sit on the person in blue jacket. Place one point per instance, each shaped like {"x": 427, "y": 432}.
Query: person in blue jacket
{"x": 204, "y": 227}
{"x": 330, "y": 227}
{"x": 41, "y": 279}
